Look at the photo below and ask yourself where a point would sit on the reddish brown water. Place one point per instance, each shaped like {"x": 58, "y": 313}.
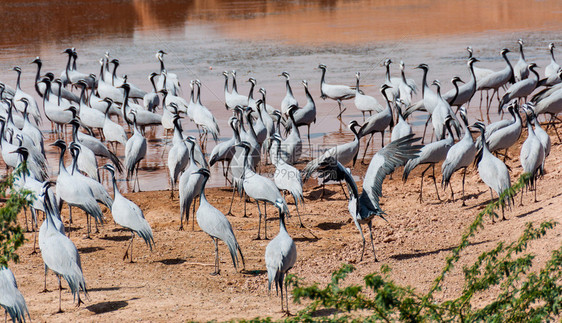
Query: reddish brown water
{"x": 263, "y": 38}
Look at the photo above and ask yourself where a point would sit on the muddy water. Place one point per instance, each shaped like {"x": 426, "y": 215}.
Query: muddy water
{"x": 261, "y": 39}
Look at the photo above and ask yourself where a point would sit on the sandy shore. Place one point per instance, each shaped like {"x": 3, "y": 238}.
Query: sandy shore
{"x": 173, "y": 281}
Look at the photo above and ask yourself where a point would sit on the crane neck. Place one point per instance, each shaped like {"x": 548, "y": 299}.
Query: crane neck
{"x": 114, "y": 73}
{"x": 357, "y": 86}
{"x": 424, "y": 82}
{"x": 387, "y": 74}
{"x": 115, "y": 188}
{"x": 226, "y": 84}
{"x": 47, "y": 93}
{"x": 309, "y": 96}
{"x": 536, "y": 74}
{"x": 282, "y": 227}
{"x": 294, "y": 124}
{"x": 403, "y": 76}
{"x": 530, "y": 130}
{"x": 322, "y": 82}
{"x": 288, "y": 87}
{"x": 236, "y": 133}
{"x": 153, "y": 85}
{"x": 521, "y": 54}
{"x": 199, "y": 94}
{"x": 456, "y": 93}
{"x": 68, "y": 64}
{"x": 161, "y": 59}
{"x": 18, "y": 80}
{"x": 102, "y": 77}
{"x": 507, "y": 62}
{"x": 38, "y": 78}
{"x": 234, "y": 86}
{"x": 74, "y": 161}
{"x": 202, "y": 194}
{"x": 251, "y": 93}
{"x": 74, "y": 62}
{"x": 251, "y": 126}
{"x": 552, "y": 55}
{"x": 82, "y": 95}
{"x": 126, "y": 104}
{"x": 62, "y": 168}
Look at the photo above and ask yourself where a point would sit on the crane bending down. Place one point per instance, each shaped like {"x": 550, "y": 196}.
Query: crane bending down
{"x": 363, "y": 208}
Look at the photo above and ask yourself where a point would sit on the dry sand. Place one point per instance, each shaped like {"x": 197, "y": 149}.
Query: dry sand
{"x": 173, "y": 282}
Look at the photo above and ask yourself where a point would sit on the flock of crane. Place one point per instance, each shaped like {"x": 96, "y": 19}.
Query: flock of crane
{"x": 93, "y": 106}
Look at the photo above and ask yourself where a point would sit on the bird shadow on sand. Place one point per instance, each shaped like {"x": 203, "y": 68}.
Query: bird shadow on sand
{"x": 90, "y": 249}
{"x": 103, "y": 289}
{"x": 306, "y": 239}
{"x": 330, "y": 226}
{"x": 253, "y": 272}
{"x": 106, "y": 307}
{"x": 325, "y": 312}
{"x": 316, "y": 194}
{"x": 529, "y": 212}
{"x": 117, "y": 238}
{"x": 175, "y": 261}
{"x": 406, "y": 256}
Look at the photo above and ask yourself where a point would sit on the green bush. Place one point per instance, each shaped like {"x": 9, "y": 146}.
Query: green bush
{"x": 11, "y": 233}
{"x": 523, "y": 296}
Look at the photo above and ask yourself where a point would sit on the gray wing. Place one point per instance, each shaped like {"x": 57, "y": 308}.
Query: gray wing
{"x": 383, "y": 163}
{"x": 10, "y": 297}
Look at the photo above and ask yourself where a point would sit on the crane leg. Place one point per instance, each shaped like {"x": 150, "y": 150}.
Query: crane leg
{"x": 45, "y": 290}
{"x": 341, "y": 111}
{"x": 366, "y": 146}
{"x": 282, "y": 300}
{"x": 244, "y": 197}
{"x": 309, "y": 145}
{"x": 343, "y": 190}
{"x": 363, "y": 244}
{"x": 298, "y": 213}
{"x": 425, "y": 129}
{"x": 435, "y": 182}
{"x": 137, "y": 176}
{"x": 370, "y": 224}
{"x": 259, "y": 223}
{"x": 88, "y": 226}
{"x": 463, "y": 177}
{"x": 421, "y": 184}
{"x": 231, "y": 200}
{"x": 217, "y": 270}
{"x": 130, "y": 245}
{"x": 286, "y": 298}
{"x": 193, "y": 219}
{"x": 60, "y": 295}
{"x": 265, "y": 220}
{"x": 25, "y": 215}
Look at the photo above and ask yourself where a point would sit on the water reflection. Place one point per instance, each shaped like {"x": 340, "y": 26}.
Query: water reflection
{"x": 25, "y": 22}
